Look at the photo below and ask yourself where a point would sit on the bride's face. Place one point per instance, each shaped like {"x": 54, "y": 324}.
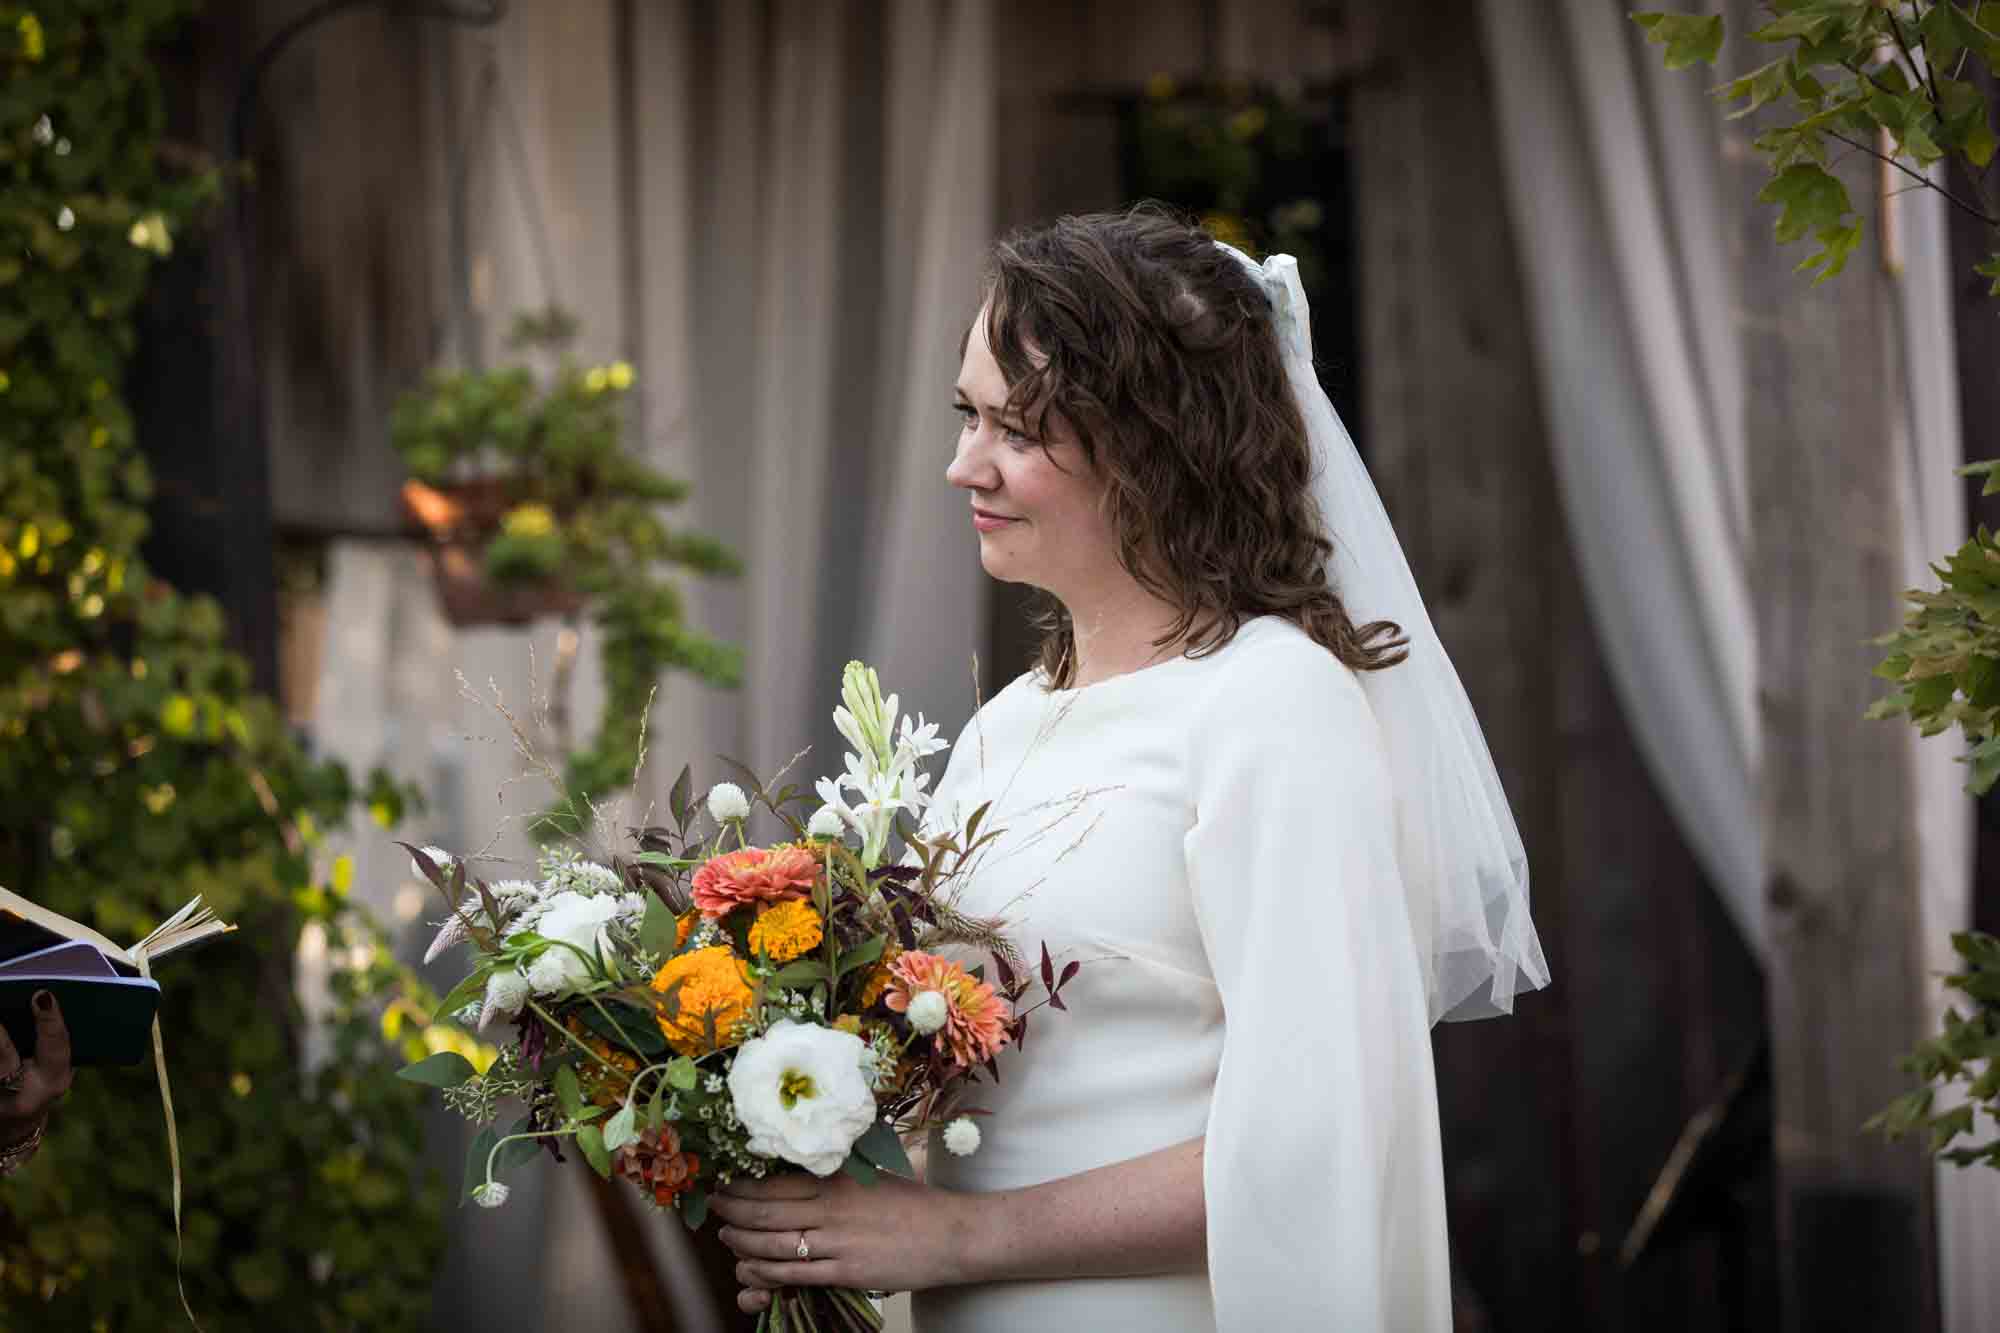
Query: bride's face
{"x": 1037, "y": 505}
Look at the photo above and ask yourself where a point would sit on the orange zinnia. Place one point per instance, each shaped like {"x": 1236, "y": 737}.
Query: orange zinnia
{"x": 975, "y": 1026}
{"x": 753, "y": 876}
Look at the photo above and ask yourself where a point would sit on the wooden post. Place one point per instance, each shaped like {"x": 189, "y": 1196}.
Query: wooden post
{"x": 1855, "y": 1239}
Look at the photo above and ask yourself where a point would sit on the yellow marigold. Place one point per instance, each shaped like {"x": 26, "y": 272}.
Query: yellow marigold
{"x": 879, "y": 979}
{"x": 783, "y": 932}
{"x": 712, "y": 983}
{"x": 848, "y": 1023}
{"x": 682, "y": 925}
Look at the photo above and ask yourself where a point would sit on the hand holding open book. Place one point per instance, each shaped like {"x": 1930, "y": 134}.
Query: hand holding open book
{"x": 106, "y": 995}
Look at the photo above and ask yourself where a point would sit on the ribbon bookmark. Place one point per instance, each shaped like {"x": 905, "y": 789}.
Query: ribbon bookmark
{"x": 144, "y": 964}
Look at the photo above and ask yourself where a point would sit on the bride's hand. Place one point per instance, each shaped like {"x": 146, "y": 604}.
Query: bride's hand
{"x": 894, "y": 1235}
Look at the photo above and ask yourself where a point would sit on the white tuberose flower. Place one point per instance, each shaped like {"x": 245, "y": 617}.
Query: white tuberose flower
{"x": 726, "y": 802}
{"x": 799, "y": 1090}
{"x": 574, "y": 919}
{"x": 928, "y": 1011}
{"x": 961, "y": 1137}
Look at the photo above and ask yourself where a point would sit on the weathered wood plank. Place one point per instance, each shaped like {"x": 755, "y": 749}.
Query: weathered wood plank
{"x": 1854, "y": 1215}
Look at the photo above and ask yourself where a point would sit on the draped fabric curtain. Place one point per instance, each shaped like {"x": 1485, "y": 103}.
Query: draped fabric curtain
{"x": 777, "y": 212}
{"x": 1616, "y": 191}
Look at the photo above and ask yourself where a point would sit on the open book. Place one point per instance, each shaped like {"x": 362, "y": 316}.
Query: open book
{"x": 107, "y": 1000}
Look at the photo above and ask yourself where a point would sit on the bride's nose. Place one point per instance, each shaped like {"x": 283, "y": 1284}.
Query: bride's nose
{"x": 972, "y": 468}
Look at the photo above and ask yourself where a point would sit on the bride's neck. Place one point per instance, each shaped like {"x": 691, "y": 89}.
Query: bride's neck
{"x": 1115, "y": 635}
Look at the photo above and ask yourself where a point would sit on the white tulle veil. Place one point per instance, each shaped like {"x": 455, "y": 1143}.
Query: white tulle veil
{"x": 1463, "y": 867}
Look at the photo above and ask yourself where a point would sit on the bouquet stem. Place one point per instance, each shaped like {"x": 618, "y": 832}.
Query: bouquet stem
{"x": 819, "y": 1310}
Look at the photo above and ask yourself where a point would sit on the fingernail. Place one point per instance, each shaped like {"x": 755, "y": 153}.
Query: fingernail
{"x": 45, "y": 1002}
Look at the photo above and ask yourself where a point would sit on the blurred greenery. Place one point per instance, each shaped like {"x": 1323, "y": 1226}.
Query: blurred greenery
{"x": 579, "y": 509}
{"x": 1916, "y": 79}
{"x": 138, "y": 768}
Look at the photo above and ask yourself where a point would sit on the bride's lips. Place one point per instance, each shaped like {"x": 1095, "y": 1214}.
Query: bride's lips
{"x": 989, "y": 522}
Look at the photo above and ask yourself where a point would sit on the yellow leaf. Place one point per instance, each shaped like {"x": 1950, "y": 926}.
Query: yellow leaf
{"x": 342, "y": 875}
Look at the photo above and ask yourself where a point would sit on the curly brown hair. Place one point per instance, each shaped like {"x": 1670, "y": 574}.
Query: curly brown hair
{"x": 1156, "y": 348}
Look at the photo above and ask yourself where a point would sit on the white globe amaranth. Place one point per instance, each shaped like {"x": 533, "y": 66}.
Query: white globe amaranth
{"x": 928, "y": 1011}
{"x": 491, "y": 1194}
{"x": 961, "y": 1137}
{"x": 572, "y": 918}
{"x": 800, "y": 1091}
{"x": 826, "y": 823}
{"x": 726, "y": 803}
{"x": 506, "y": 994}
{"x": 549, "y": 975}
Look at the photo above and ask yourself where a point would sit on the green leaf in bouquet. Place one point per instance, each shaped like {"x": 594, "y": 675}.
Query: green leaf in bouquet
{"x": 621, "y": 1129}
{"x": 588, "y": 1114}
{"x": 620, "y": 1022}
{"x": 568, "y": 1095}
{"x": 475, "y": 1162}
{"x": 859, "y": 1167}
{"x": 682, "y": 1074}
{"x": 465, "y": 992}
{"x": 657, "y": 928}
{"x": 663, "y": 861}
{"x": 694, "y": 1206}
{"x": 591, "y": 1140}
{"x": 804, "y": 972}
{"x": 882, "y": 1147}
{"x": 446, "y": 1069}
{"x": 860, "y": 955}
{"x": 517, "y": 1152}
{"x": 656, "y": 1111}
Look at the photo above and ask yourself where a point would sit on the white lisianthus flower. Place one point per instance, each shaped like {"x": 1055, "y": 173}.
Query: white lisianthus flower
{"x": 928, "y": 1011}
{"x": 506, "y": 993}
{"x": 572, "y": 918}
{"x": 961, "y": 1137}
{"x": 826, "y": 823}
{"x": 727, "y": 803}
{"x": 800, "y": 1091}
{"x": 490, "y": 1195}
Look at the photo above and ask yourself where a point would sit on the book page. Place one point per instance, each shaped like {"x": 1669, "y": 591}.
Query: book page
{"x": 57, "y": 924}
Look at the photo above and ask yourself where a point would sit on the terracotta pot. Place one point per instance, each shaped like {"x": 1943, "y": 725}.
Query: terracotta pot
{"x": 471, "y": 599}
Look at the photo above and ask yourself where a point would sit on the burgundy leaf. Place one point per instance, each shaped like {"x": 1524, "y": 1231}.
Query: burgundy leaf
{"x": 1055, "y": 1002}
{"x": 1048, "y": 968}
{"x": 1068, "y": 971}
{"x": 1006, "y": 972}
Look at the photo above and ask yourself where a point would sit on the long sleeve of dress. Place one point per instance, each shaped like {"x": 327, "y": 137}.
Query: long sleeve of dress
{"x": 1322, "y": 1174}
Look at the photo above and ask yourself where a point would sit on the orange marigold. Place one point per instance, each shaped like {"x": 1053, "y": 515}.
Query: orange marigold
{"x": 783, "y": 932}
{"x": 975, "y": 1025}
{"x": 754, "y": 876}
{"x": 682, "y": 925}
{"x": 880, "y": 976}
{"x": 712, "y": 984}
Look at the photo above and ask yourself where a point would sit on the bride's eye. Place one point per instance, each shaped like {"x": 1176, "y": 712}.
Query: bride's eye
{"x": 968, "y": 414}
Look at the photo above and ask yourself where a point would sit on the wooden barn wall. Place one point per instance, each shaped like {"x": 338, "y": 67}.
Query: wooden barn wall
{"x": 1558, "y": 1121}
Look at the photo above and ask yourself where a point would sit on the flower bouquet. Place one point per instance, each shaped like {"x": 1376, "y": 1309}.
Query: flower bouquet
{"x": 705, "y": 1008}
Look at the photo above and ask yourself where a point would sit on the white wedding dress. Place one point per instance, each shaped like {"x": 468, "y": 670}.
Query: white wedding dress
{"x": 1212, "y": 838}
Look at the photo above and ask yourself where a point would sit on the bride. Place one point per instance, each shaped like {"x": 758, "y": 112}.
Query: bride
{"x": 1278, "y": 844}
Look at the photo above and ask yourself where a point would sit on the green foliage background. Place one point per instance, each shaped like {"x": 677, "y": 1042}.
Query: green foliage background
{"x": 138, "y": 768}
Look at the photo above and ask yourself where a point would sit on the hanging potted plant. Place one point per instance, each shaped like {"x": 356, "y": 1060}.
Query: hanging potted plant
{"x": 534, "y": 505}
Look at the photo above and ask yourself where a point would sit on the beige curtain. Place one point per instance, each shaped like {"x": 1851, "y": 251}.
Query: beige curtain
{"x": 788, "y": 264}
